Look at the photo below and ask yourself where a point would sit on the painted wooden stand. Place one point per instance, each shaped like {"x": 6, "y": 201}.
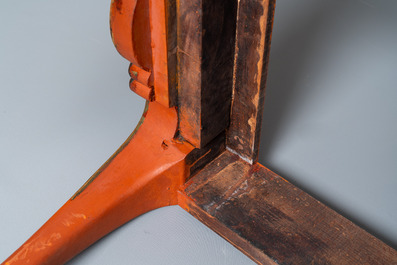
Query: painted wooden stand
{"x": 201, "y": 65}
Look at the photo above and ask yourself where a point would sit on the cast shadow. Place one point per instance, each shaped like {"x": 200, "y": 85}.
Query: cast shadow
{"x": 290, "y": 53}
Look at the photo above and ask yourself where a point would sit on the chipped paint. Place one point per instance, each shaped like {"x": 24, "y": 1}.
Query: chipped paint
{"x": 34, "y": 246}
{"x": 72, "y": 221}
{"x": 79, "y": 215}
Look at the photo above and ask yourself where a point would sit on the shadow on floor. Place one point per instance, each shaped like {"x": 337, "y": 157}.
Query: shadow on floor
{"x": 292, "y": 45}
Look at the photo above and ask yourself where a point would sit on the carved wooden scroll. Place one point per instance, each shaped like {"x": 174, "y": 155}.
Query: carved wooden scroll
{"x": 139, "y": 33}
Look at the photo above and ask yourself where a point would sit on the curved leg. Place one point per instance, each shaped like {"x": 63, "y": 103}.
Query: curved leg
{"x": 144, "y": 174}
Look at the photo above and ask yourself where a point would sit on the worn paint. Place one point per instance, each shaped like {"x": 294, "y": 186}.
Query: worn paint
{"x": 104, "y": 166}
{"x": 140, "y": 168}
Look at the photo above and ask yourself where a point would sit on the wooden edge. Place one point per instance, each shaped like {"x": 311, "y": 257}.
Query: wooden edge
{"x": 205, "y": 52}
{"x": 254, "y": 31}
{"x": 274, "y": 222}
{"x": 239, "y": 242}
{"x": 158, "y": 31}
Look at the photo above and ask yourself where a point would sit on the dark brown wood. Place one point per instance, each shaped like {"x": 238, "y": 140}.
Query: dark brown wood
{"x": 254, "y": 27}
{"x": 171, "y": 21}
{"x": 215, "y": 75}
{"x": 200, "y": 157}
{"x": 206, "y": 41}
{"x": 272, "y": 221}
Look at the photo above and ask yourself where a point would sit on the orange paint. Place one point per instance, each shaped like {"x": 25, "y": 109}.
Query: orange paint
{"x": 121, "y": 21}
{"x": 159, "y": 51}
{"x": 147, "y": 170}
{"x": 142, "y": 90}
{"x": 139, "y": 82}
{"x": 142, "y": 176}
{"x": 139, "y": 74}
{"x": 130, "y": 22}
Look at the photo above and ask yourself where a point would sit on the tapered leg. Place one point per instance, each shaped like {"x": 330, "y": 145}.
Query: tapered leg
{"x": 144, "y": 174}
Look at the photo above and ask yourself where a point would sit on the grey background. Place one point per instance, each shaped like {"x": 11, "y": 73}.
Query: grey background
{"x": 329, "y": 124}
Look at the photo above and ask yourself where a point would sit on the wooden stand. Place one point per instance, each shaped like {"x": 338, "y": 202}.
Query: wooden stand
{"x": 201, "y": 65}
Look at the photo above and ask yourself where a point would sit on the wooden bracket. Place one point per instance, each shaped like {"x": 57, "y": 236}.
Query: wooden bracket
{"x": 139, "y": 33}
{"x": 202, "y": 66}
{"x": 139, "y": 82}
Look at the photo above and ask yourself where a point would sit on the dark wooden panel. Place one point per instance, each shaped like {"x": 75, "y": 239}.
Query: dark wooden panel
{"x": 274, "y": 222}
{"x": 200, "y": 157}
{"x": 171, "y": 21}
{"x": 206, "y": 41}
{"x": 254, "y": 27}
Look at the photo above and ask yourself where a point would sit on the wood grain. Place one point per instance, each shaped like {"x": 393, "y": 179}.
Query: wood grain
{"x": 274, "y": 222}
{"x": 206, "y": 41}
{"x": 254, "y": 27}
{"x": 172, "y": 62}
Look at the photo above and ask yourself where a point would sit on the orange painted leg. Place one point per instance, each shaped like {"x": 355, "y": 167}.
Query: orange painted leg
{"x": 144, "y": 174}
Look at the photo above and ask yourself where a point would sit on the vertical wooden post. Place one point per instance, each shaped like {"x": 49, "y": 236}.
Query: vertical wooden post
{"x": 254, "y": 27}
{"x": 206, "y": 41}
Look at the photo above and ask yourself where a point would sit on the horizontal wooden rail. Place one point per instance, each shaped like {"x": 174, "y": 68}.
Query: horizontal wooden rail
{"x": 274, "y": 222}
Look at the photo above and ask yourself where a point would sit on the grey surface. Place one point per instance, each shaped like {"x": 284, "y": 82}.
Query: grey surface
{"x": 330, "y": 120}
{"x": 65, "y": 107}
